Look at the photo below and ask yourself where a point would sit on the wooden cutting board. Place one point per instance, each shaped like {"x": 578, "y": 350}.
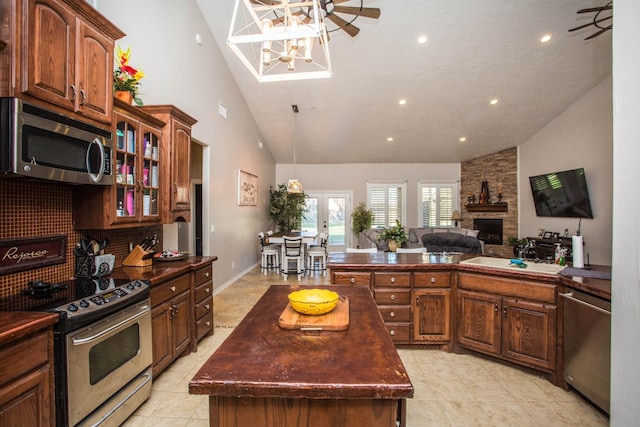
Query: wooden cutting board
{"x": 336, "y": 320}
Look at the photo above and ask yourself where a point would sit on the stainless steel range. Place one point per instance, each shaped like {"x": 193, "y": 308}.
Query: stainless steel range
{"x": 102, "y": 347}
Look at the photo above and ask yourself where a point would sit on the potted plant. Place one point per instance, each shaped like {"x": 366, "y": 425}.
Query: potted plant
{"x": 362, "y": 218}
{"x": 286, "y": 209}
{"x": 126, "y": 79}
{"x": 395, "y": 236}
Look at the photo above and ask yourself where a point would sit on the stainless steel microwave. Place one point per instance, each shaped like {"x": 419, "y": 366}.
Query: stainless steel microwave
{"x": 38, "y": 143}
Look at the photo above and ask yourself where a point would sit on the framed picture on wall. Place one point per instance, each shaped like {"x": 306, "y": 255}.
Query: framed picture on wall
{"x": 555, "y": 236}
{"x": 540, "y": 232}
{"x": 547, "y": 235}
{"x": 247, "y": 189}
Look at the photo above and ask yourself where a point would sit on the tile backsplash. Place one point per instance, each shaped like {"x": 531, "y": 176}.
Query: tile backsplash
{"x": 40, "y": 208}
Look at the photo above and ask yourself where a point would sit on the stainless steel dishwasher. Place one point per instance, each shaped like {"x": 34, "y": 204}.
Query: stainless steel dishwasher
{"x": 587, "y": 346}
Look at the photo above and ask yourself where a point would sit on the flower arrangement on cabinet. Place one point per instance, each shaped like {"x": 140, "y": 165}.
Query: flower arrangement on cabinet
{"x": 125, "y": 77}
{"x": 395, "y": 233}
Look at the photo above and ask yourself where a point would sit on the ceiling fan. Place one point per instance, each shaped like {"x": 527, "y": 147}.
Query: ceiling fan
{"x": 330, "y": 10}
{"x": 597, "y": 20}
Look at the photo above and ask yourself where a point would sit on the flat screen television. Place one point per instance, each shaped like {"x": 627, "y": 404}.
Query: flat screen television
{"x": 561, "y": 194}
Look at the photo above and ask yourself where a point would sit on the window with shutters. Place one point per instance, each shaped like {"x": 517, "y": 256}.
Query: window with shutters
{"x": 437, "y": 201}
{"x": 388, "y": 202}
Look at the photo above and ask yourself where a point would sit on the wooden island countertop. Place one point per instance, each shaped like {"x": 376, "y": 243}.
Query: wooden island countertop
{"x": 269, "y": 376}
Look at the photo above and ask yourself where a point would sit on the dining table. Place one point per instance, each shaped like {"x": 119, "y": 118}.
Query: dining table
{"x": 307, "y": 237}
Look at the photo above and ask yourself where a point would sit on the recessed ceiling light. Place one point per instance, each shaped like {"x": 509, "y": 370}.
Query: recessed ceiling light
{"x": 493, "y": 101}
{"x": 390, "y": 139}
{"x": 402, "y": 101}
{"x": 545, "y": 38}
{"x": 422, "y": 39}
{"x": 463, "y": 139}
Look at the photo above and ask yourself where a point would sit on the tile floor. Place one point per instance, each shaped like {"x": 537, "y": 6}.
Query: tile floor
{"x": 450, "y": 389}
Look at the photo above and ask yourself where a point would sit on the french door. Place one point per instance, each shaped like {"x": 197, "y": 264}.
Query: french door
{"x": 330, "y": 212}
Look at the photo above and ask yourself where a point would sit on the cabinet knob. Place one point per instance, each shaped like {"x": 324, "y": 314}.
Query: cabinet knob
{"x": 83, "y": 97}
{"x": 173, "y": 288}
{"x": 392, "y": 332}
{"x": 207, "y": 290}
{"x": 496, "y": 308}
{"x": 393, "y": 280}
{"x": 207, "y": 323}
{"x": 207, "y": 306}
{"x": 353, "y": 280}
{"x": 433, "y": 280}
{"x": 392, "y": 296}
{"x": 392, "y": 314}
{"x": 73, "y": 96}
{"x": 206, "y": 274}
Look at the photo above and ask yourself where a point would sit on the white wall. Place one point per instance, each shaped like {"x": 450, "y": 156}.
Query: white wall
{"x": 354, "y": 177}
{"x": 625, "y": 330}
{"x": 193, "y": 77}
{"x": 579, "y": 137}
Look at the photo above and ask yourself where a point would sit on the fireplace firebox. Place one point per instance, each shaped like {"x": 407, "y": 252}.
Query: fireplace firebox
{"x": 490, "y": 230}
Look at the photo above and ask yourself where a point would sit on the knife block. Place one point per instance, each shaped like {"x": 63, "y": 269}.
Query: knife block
{"x": 136, "y": 258}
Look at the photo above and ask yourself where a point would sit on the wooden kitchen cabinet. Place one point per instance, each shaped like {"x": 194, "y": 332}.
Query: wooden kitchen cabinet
{"x": 432, "y": 316}
{"x": 350, "y": 278}
{"x": 392, "y": 293}
{"x": 61, "y": 53}
{"x": 175, "y": 157}
{"x": 203, "y": 282}
{"x": 512, "y": 319}
{"x": 135, "y": 198}
{"x": 26, "y": 379}
{"x": 171, "y": 322}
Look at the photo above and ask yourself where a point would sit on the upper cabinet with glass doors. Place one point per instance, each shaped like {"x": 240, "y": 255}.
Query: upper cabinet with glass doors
{"x": 136, "y": 197}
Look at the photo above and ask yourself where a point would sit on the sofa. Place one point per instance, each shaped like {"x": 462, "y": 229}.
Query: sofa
{"x": 452, "y": 239}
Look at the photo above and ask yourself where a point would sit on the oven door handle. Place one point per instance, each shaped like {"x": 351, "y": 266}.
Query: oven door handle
{"x": 141, "y": 311}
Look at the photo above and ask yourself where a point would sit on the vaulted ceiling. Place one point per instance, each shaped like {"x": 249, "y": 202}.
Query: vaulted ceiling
{"x": 476, "y": 51}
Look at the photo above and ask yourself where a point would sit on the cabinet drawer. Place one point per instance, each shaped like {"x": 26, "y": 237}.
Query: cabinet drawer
{"x": 204, "y": 325}
{"x": 395, "y": 280}
{"x": 432, "y": 280}
{"x": 203, "y": 307}
{"x": 392, "y": 296}
{"x": 536, "y": 291}
{"x": 395, "y": 313}
{"x": 347, "y": 278}
{"x": 203, "y": 274}
{"x": 165, "y": 291}
{"x": 399, "y": 332}
{"x": 203, "y": 291}
{"x": 24, "y": 356}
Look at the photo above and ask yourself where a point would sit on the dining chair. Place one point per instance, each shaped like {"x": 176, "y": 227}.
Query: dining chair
{"x": 292, "y": 251}
{"x": 270, "y": 254}
{"x": 411, "y": 250}
{"x": 362, "y": 250}
{"x": 318, "y": 253}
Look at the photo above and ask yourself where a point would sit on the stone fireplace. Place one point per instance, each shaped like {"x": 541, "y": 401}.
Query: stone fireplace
{"x": 490, "y": 230}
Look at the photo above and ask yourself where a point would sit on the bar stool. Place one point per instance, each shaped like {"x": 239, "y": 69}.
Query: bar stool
{"x": 318, "y": 253}
{"x": 292, "y": 251}
{"x": 270, "y": 255}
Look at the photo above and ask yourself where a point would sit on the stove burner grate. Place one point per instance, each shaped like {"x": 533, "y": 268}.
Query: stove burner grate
{"x": 41, "y": 290}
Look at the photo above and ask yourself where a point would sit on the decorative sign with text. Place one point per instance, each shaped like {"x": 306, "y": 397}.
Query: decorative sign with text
{"x": 27, "y": 253}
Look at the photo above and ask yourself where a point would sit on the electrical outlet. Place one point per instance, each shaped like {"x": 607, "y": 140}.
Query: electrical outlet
{"x": 233, "y": 265}
{"x": 212, "y": 228}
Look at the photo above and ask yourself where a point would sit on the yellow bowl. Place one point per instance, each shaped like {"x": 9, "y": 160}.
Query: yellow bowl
{"x": 313, "y": 301}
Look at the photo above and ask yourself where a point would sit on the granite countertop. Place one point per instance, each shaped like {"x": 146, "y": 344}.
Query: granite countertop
{"x": 161, "y": 271}
{"x": 596, "y": 285}
{"x": 15, "y": 325}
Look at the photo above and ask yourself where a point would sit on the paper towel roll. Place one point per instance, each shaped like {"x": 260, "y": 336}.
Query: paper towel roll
{"x": 578, "y": 251}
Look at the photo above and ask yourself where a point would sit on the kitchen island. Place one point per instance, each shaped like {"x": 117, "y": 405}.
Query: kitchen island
{"x": 270, "y": 376}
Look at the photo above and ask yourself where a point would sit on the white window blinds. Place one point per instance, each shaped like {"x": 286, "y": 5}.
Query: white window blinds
{"x": 437, "y": 203}
{"x": 387, "y": 201}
